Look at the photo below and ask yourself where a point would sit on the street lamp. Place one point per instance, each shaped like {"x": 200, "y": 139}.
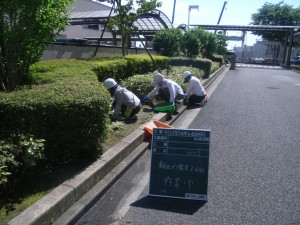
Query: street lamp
{"x": 190, "y": 8}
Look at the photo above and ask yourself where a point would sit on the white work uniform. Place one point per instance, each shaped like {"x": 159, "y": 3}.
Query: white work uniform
{"x": 173, "y": 87}
{"x": 124, "y": 97}
{"x": 195, "y": 87}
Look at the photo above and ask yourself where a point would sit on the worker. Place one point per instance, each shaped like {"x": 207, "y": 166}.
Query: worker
{"x": 195, "y": 93}
{"x": 167, "y": 89}
{"x": 125, "y": 102}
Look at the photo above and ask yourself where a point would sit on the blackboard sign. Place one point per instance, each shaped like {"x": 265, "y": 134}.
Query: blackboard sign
{"x": 179, "y": 163}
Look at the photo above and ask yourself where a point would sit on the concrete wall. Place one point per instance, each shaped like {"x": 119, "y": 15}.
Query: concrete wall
{"x": 55, "y": 51}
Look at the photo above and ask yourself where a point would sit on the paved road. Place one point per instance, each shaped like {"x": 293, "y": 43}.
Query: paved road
{"x": 261, "y": 66}
{"x": 254, "y": 176}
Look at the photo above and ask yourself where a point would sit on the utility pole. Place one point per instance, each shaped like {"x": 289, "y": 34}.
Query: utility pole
{"x": 190, "y": 8}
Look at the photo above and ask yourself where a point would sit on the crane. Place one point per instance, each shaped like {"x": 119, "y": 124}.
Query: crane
{"x": 225, "y": 2}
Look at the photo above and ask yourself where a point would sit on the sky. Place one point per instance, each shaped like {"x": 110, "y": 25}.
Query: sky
{"x": 236, "y": 12}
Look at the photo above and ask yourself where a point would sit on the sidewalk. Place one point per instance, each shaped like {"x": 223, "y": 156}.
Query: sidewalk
{"x": 70, "y": 200}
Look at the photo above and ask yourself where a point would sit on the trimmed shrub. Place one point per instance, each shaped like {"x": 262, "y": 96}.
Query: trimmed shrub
{"x": 218, "y": 58}
{"x": 115, "y": 68}
{"x": 142, "y": 64}
{"x": 203, "y": 64}
{"x": 123, "y": 68}
{"x": 68, "y": 109}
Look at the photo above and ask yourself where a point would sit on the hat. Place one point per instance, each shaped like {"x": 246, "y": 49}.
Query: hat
{"x": 109, "y": 83}
{"x": 187, "y": 76}
{"x": 157, "y": 78}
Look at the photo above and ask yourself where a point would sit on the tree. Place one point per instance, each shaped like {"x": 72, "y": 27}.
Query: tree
{"x": 208, "y": 42}
{"x": 191, "y": 44}
{"x": 277, "y": 15}
{"x": 221, "y": 41}
{"x": 122, "y": 23}
{"x": 26, "y": 28}
{"x": 168, "y": 42}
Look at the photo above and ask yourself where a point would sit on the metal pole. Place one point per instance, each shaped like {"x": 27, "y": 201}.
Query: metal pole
{"x": 285, "y": 49}
{"x": 189, "y": 19}
{"x": 190, "y": 8}
{"x": 102, "y": 33}
{"x": 288, "y": 63}
{"x": 173, "y": 11}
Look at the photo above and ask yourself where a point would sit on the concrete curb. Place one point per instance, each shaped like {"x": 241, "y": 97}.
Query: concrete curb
{"x": 67, "y": 202}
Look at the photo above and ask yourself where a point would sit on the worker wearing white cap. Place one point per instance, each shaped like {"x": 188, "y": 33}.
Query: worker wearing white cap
{"x": 195, "y": 93}
{"x": 168, "y": 89}
{"x": 125, "y": 102}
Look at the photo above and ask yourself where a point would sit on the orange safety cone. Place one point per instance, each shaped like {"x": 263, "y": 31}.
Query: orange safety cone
{"x": 154, "y": 124}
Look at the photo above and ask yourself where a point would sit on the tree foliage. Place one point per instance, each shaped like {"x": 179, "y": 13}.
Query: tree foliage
{"x": 221, "y": 42}
{"x": 122, "y": 23}
{"x": 26, "y": 27}
{"x": 168, "y": 42}
{"x": 279, "y": 14}
{"x": 207, "y": 40}
{"x": 190, "y": 44}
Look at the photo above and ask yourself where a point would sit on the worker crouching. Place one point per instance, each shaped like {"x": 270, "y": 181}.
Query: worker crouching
{"x": 195, "y": 93}
{"x": 126, "y": 104}
{"x": 167, "y": 89}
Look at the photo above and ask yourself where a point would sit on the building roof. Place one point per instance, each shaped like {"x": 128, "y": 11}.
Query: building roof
{"x": 147, "y": 24}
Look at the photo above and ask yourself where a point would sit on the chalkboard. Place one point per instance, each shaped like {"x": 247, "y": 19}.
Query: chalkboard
{"x": 179, "y": 163}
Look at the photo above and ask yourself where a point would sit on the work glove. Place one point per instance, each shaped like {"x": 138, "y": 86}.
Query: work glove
{"x": 145, "y": 99}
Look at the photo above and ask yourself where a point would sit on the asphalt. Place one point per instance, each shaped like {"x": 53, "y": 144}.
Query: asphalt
{"x": 71, "y": 199}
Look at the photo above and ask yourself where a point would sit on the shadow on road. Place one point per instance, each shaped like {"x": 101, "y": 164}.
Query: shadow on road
{"x": 174, "y": 205}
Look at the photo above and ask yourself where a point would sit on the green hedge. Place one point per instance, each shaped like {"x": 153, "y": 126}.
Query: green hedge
{"x": 142, "y": 64}
{"x": 203, "y": 64}
{"x": 123, "y": 68}
{"x": 116, "y": 69}
{"x": 65, "y": 105}
{"x": 218, "y": 58}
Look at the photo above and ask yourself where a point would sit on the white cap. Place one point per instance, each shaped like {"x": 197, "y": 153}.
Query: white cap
{"x": 109, "y": 83}
{"x": 157, "y": 78}
{"x": 186, "y": 74}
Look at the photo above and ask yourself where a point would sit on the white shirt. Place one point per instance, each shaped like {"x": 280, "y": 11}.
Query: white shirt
{"x": 195, "y": 87}
{"x": 173, "y": 87}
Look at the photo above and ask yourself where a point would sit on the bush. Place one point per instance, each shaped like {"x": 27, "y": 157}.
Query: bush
{"x": 18, "y": 155}
{"x": 142, "y": 64}
{"x": 218, "y": 58}
{"x": 114, "y": 68}
{"x": 199, "y": 63}
{"x": 69, "y": 113}
{"x": 123, "y": 68}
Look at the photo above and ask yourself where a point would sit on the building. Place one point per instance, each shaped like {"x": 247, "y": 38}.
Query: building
{"x": 80, "y": 8}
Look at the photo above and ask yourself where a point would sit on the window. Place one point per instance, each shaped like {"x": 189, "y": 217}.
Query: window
{"x": 91, "y": 26}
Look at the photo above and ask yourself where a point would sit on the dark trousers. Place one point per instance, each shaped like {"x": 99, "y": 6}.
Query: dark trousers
{"x": 193, "y": 99}
{"x": 164, "y": 93}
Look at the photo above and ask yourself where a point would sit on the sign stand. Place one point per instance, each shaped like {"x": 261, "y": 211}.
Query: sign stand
{"x": 179, "y": 163}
